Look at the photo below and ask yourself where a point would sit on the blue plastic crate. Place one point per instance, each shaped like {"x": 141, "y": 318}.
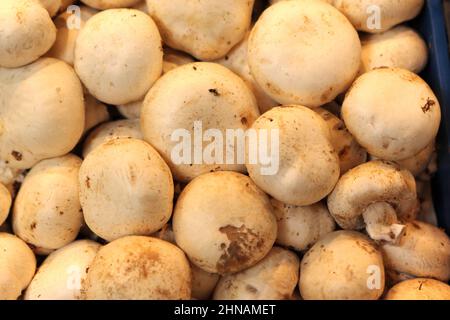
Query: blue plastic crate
{"x": 431, "y": 24}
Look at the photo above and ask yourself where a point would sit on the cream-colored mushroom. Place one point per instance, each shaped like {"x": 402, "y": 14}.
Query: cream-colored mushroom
{"x": 63, "y": 273}
{"x": 376, "y": 195}
{"x": 125, "y": 189}
{"x": 110, "y": 131}
{"x": 203, "y": 283}
{"x": 17, "y": 266}
{"x": 208, "y": 96}
{"x": 47, "y": 212}
{"x": 237, "y": 224}
{"x": 27, "y": 32}
{"x": 110, "y": 4}
{"x": 5, "y": 203}
{"x": 273, "y": 278}
{"x": 55, "y": 6}
{"x": 49, "y": 99}
{"x": 95, "y": 112}
{"x": 422, "y": 251}
{"x": 343, "y": 265}
{"x": 392, "y": 113}
{"x": 118, "y": 55}
{"x": 419, "y": 289}
{"x": 131, "y": 110}
{"x": 300, "y": 227}
{"x": 137, "y": 267}
{"x": 304, "y": 166}
{"x": 289, "y": 52}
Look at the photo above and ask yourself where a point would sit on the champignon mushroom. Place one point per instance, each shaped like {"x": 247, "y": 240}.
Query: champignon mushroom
{"x": 273, "y": 278}
{"x": 55, "y": 6}
{"x": 419, "y": 289}
{"x": 206, "y": 29}
{"x": 110, "y": 131}
{"x": 27, "y": 32}
{"x": 208, "y": 96}
{"x": 125, "y": 189}
{"x": 203, "y": 283}
{"x": 300, "y": 227}
{"x": 17, "y": 266}
{"x": 49, "y": 99}
{"x": 284, "y": 47}
{"x": 304, "y": 166}
{"x": 131, "y": 110}
{"x": 237, "y": 224}
{"x": 422, "y": 251}
{"x": 95, "y": 112}
{"x": 63, "y": 273}
{"x": 5, "y": 203}
{"x": 376, "y": 195}
{"x": 137, "y": 267}
{"x": 118, "y": 55}
{"x": 47, "y": 212}
{"x": 343, "y": 265}
{"x": 392, "y": 113}
{"x": 110, "y": 4}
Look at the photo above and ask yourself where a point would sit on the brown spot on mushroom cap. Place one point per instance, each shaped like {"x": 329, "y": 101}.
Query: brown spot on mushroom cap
{"x": 214, "y": 92}
{"x": 17, "y": 155}
{"x": 428, "y": 105}
{"x": 251, "y": 289}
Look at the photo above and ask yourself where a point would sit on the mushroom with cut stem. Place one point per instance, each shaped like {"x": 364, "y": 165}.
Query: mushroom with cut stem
{"x": 419, "y": 289}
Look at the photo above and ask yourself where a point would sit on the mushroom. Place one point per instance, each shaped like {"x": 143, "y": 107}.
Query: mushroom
{"x": 349, "y": 151}
{"x": 304, "y": 166}
{"x": 110, "y": 4}
{"x": 110, "y": 131}
{"x": 206, "y": 29}
{"x": 27, "y": 32}
{"x": 392, "y": 113}
{"x": 63, "y": 273}
{"x": 273, "y": 278}
{"x": 55, "y": 6}
{"x": 376, "y": 195}
{"x": 203, "y": 283}
{"x": 131, "y": 110}
{"x": 49, "y": 99}
{"x": 95, "y": 112}
{"x": 118, "y": 55}
{"x": 284, "y": 49}
{"x": 237, "y": 61}
{"x": 400, "y": 47}
{"x": 208, "y": 96}
{"x": 47, "y": 212}
{"x": 422, "y": 251}
{"x": 376, "y": 16}
{"x": 17, "y": 266}
{"x": 419, "y": 289}
{"x": 300, "y": 227}
{"x": 237, "y": 224}
{"x": 5, "y": 203}
{"x": 343, "y": 265}
{"x": 125, "y": 189}
{"x": 137, "y": 267}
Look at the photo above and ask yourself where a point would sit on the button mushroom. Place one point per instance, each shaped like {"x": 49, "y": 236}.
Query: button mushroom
{"x": 110, "y": 4}
{"x": 137, "y": 267}
{"x": 95, "y": 112}
{"x": 55, "y": 6}
{"x": 5, "y": 203}
{"x": 203, "y": 283}
{"x": 343, "y": 265}
{"x": 234, "y": 234}
{"x": 419, "y": 289}
{"x": 376, "y": 195}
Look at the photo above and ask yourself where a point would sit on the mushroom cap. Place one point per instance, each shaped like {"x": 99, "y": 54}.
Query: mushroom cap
{"x": 16, "y": 259}
{"x": 419, "y": 162}
{"x": 27, "y": 32}
{"x": 391, "y": 12}
{"x": 419, "y": 289}
{"x": 95, "y": 112}
{"x": 10, "y": 288}
{"x": 289, "y": 52}
{"x": 400, "y": 47}
{"x": 206, "y": 29}
{"x": 126, "y": 188}
{"x": 392, "y": 113}
{"x": 110, "y": 131}
{"x": 47, "y": 211}
{"x": 299, "y": 227}
{"x": 62, "y": 274}
{"x": 55, "y": 6}
{"x": 205, "y": 92}
{"x": 131, "y": 110}
{"x": 273, "y": 278}
{"x": 422, "y": 251}
{"x": 237, "y": 225}
{"x": 308, "y": 165}
{"x": 368, "y": 183}
{"x": 122, "y": 46}
{"x": 343, "y": 265}
{"x": 203, "y": 283}
{"x": 5, "y": 203}
{"x": 137, "y": 267}
{"x": 349, "y": 151}
{"x": 174, "y": 58}
{"x": 110, "y": 4}
{"x": 41, "y": 112}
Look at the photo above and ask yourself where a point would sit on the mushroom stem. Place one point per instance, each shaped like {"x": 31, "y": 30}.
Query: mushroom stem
{"x": 381, "y": 222}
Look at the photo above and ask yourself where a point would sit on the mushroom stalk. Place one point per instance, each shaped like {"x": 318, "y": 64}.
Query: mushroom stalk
{"x": 381, "y": 222}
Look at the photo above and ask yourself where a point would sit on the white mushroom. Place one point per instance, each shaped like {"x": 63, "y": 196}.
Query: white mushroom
{"x": 203, "y": 283}
{"x": 55, "y": 6}
{"x": 5, "y": 203}
{"x": 95, "y": 112}
{"x": 419, "y": 289}
{"x": 110, "y": 4}
{"x": 131, "y": 110}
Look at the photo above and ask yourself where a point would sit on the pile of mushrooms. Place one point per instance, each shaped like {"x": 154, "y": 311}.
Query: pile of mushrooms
{"x": 104, "y": 105}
